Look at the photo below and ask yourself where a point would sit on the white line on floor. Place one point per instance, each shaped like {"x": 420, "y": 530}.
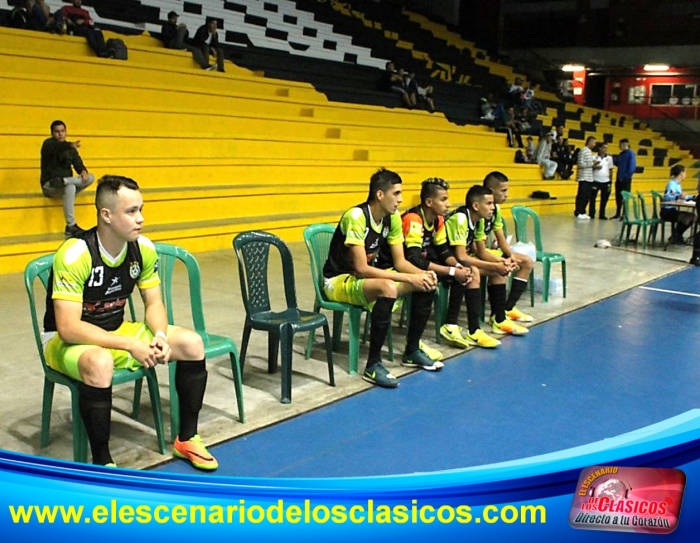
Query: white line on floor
{"x": 672, "y": 292}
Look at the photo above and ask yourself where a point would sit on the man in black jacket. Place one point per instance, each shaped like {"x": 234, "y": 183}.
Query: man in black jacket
{"x": 174, "y": 35}
{"x": 206, "y": 43}
{"x": 58, "y": 159}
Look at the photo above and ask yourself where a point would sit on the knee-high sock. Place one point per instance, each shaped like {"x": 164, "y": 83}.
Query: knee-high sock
{"x": 381, "y": 320}
{"x": 516, "y": 290}
{"x": 95, "y": 406}
{"x": 472, "y": 298}
{"x": 497, "y": 297}
{"x": 455, "y": 302}
{"x": 421, "y": 304}
{"x": 190, "y": 383}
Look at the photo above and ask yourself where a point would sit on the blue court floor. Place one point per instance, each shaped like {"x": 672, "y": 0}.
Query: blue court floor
{"x": 623, "y": 363}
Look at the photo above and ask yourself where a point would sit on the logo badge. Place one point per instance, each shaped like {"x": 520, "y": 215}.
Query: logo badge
{"x": 628, "y": 499}
{"x": 134, "y": 270}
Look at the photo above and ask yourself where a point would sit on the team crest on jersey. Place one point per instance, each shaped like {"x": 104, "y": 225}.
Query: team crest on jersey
{"x": 134, "y": 270}
{"x": 385, "y": 232}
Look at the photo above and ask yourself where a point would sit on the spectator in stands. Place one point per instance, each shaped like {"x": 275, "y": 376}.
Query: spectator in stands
{"x": 174, "y": 35}
{"x": 206, "y": 43}
{"x": 674, "y": 191}
{"x": 561, "y": 154}
{"x": 487, "y": 107}
{"x": 584, "y": 176}
{"x": 506, "y": 123}
{"x": 58, "y": 159}
{"x": 543, "y": 157}
{"x": 392, "y": 81}
{"x": 530, "y": 150}
{"x": 77, "y": 21}
{"x": 626, "y": 163}
{"x": 516, "y": 91}
{"x": 421, "y": 94}
{"x": 525, "y": 121}
{"x": 39, "y": 15}
{"x": 602, "y": 182}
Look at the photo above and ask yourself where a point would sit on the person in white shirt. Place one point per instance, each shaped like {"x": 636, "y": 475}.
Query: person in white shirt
{"x": 544, "y": 150}
{"x": 584, "y": 177}
{"x": 602, "y": 182}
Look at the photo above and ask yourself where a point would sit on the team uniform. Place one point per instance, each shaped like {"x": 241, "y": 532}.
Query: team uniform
{"x": 486, "y": 226}
{"x": 85, "y": 273}
{"x": 357, "y": 227}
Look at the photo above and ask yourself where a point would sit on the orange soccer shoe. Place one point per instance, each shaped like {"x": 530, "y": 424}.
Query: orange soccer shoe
{"x": 195, "y": 451}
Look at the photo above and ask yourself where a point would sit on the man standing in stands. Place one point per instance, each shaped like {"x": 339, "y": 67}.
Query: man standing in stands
{"x": 353, "y": 275}
{"x": 584, "y": 177}
{"x": 58, "y": 159}
{"x": 206, "y": 43}
{"x": 626, "y": 163}
{"x": 173, "y": 34}
{"x": 87, "y": 337}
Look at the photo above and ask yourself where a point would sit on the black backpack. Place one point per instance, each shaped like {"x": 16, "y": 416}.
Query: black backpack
{"x": 117, "y": 49}
{"x": 19, "y": 18}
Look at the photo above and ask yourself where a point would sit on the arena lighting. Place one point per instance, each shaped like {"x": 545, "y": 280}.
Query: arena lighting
{"x": 655, "y": 67}
{"x": 572, "y": 68}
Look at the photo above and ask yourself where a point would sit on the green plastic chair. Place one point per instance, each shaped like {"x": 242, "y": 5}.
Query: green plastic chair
{"x": 657, "y": 198}
{"x": 631, "y": 216}
{"x": 253, "y": 251}
{"x": 214, "y": 345}
{"x": 653, "y": 221}
{"x": 521, "y": 216}
{"x": 40, "y": 268}
{"x": 317, "y": 238}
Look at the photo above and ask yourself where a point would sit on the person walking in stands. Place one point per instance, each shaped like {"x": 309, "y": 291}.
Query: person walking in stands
{"x": 87, "y": 337}
{"x": 674, "y": 191}
{"x": 352, "y": 274}
{"x": 584, "y": 177}
{"x": 206, "y": 43}
{"x": 602, "y": 182}
{"x": 425, "y": 245}
{"x": 461, "y": 227}
{"x": 58, "y": 159}
{"x": 626, "y": 163}
{"x": 497, "y": 182}
{"x": 174, "y": 35}
{"x": 77, "y": 21}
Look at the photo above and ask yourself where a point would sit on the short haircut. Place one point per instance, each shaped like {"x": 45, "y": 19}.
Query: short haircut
{"x": 383, "y": 180}
{"x": 109, "y": 185}
{"x": 589, "y": 138}
{"x": 677, "y": 169}
{"x": 493, "y": 179}
{"x": 476, "y": 194}
{"x": 624, "y": 140}
{"x": 57, "y": 123}
{"x": 431, "y": 186}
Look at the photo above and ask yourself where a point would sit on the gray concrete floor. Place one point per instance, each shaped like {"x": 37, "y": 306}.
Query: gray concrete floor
{"x": 593, "y": 274}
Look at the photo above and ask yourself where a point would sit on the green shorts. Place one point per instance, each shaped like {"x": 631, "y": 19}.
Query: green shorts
{"x": 63, "y": 357}
{"x": 347, "y": 289}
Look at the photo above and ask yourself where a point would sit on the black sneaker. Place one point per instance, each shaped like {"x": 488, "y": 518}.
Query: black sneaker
{"x": 378, "y": 375}
{"x": 73, "y": 231}
{"x": 418, "y": 359}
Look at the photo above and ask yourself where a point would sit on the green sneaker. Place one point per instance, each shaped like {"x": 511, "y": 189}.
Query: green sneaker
{"x": 378, "y": 375}
{"x": 418, "y": 359}
{"x": 453, "y": 334}
{"x": 434, "y": 354}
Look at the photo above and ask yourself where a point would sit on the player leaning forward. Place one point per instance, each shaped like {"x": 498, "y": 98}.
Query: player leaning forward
{"x": 93, "y": 276}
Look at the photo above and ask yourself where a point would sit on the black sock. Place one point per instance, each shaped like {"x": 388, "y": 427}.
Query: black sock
{"x": 516, "y": 290}
{"x": 497, "y": 297}
{"x": 472, "y": 297}
{"x": 190, "y": 382}
{"x": 381, "y": 320}
{"x": 95, "y": 406}
{"x": 421, "y": 304}
{"x": 455, "y": 302}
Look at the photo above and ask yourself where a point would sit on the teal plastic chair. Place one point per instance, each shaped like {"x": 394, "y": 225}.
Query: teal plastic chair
{"x": 214, "y": 345}
{"x": 40, "y": 268}
{"x": 253, "y": 252}
{"x": 656, "y": 220}
{"x": 652, "y": 221}
{"x": 317, "y": 238}
{"x": 521, "y": 216}
{"x": 631, "y": 216}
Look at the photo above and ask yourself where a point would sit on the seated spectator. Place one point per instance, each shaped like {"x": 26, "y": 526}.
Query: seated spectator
{"x": 526, "y": 121}
{"x": 530, "y": 153}
{"x": 206, "y": 43}
{"x": 516, "y": 91}
{"x": 174, "y": 35}
{"x": 674, "y": 191}
{"x": 58, "y": 159}
{"x": 77, "y": 21}
{"x": 544, "y": 150}
{"x": 392, "y": 81}
{"x": 487, "y": 107}
{"x": 561, "y": 154}
{"x": 39, "y": 15}
{"x": 506, "y": 123}
{"x": 422, "y": 94}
